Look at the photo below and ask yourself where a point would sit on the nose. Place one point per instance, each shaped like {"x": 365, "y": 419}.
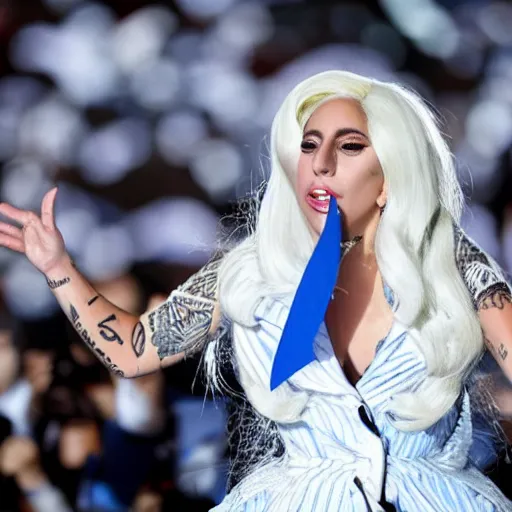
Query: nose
{"x": 324, "y": 164}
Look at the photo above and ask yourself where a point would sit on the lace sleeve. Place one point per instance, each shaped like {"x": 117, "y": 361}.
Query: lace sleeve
{"x": 483, "y": 277}
{"x": 253, "y": 440}
{"x": 183, "y": 321}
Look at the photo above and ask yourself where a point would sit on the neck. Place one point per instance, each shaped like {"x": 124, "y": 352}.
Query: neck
{"x": 364, "y": 250}
{"x": 361, "y": 257}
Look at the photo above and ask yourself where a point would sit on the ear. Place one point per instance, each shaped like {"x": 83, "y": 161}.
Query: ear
{"x": 382, "y": 199}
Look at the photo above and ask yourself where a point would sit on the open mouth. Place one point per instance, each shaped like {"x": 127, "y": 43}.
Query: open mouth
{"x": 318, "y": 199}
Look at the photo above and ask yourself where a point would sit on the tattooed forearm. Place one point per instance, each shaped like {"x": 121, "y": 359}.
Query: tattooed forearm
{"x": 496, "y": 297}
{"x": 107, "y": 333}
{"x": 182, "y": 323}
{"x": 57, "y": 284}
{"x": 75, "y": 319}
{"x": 139, "y": 339}
{"x": 500, "y": 352}
{"x": 93, "y": 300}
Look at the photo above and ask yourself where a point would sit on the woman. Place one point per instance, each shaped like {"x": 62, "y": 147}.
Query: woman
{"x": 380, "y": 419}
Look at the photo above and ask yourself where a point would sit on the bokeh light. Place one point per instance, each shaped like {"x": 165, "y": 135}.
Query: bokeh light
{"x": 108, "y": 154}
{"x": 180, "y": 230}
{"x": 178, "y": 133}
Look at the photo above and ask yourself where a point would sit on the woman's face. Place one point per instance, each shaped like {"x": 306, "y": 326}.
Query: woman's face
{"x": 338, "y": 159}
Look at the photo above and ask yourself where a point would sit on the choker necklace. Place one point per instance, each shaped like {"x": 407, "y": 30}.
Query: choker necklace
{"x": 348, "y": 244}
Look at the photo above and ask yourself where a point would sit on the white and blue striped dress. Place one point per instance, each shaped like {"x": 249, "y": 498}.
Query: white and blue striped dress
{"x": 344, "y": 454}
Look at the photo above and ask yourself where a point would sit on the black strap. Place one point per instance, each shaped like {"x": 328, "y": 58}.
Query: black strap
{"x": 359, "y": 485}
{"x": 388, "y": 507}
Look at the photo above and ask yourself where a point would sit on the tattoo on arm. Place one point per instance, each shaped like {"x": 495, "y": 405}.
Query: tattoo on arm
{"x": 93, "y": 300}
{"x": 57, "y": 284}
{"x": 182, "y": 323}
{"x": 495, "y": 297}
{"x": 107, "y": 333}
{"x": 139, "y": 339}
{"x": 482, "y": 276}
{"x": 80, "y": 329}
{"x": 501, "y": 352}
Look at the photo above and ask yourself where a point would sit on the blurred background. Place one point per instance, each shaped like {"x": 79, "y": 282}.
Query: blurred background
{"x": 153, "y": 118}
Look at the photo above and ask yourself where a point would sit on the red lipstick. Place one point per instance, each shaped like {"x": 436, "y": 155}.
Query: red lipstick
{"x": 318, "y": 198}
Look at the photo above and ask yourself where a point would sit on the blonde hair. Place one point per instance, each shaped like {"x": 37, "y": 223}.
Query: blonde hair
{"x": 414, "y": 241}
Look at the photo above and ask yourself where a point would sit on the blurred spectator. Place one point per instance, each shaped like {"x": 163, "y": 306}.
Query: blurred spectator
{"x": 20, "y": 464}
{"x": 9, "y": 492}
{"x": 15, "y": 389}
{"x": 19, "y": 458}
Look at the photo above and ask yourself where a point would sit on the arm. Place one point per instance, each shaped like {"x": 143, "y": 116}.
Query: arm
{"x": 492, "y": 298}
{"x": 495, "y": 313}
{"x": 129, "y": 346}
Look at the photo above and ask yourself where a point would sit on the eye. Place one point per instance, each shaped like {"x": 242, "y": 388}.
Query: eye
{"x": 352, "y": 147}
{"x": 307, "y": 146}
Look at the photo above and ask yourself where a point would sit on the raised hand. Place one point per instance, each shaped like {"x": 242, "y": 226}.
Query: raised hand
{"x": 38, "y": 237}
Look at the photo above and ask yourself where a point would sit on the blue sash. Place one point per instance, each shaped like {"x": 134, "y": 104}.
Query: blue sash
{"x": 310, "y": 303}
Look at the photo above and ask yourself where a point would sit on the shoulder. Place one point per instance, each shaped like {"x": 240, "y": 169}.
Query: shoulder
{"x": 479, "y": 271}
{"x": 467, "y": 251}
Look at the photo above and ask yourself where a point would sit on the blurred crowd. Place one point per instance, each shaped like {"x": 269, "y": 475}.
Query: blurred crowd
{"x": 74, "y": 437}
{"x": 152, "y": 117}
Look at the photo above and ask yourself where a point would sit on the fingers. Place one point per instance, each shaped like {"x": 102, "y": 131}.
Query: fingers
{"x": 21, "y": 216}
{"x": 13, "y": 231}
{"x": 12, "y": 243}
{"x": 48, "y": 209}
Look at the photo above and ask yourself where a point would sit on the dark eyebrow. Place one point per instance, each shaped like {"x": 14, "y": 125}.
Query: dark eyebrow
{"x": 340, "y": 133}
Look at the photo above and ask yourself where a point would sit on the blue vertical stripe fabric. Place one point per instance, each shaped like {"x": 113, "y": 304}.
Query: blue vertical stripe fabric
{"x": 334, "y": 461}
{"x": 310, "y": 303}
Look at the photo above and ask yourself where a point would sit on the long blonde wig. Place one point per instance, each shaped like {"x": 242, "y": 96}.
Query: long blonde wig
{"x": 414, "y": 243}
